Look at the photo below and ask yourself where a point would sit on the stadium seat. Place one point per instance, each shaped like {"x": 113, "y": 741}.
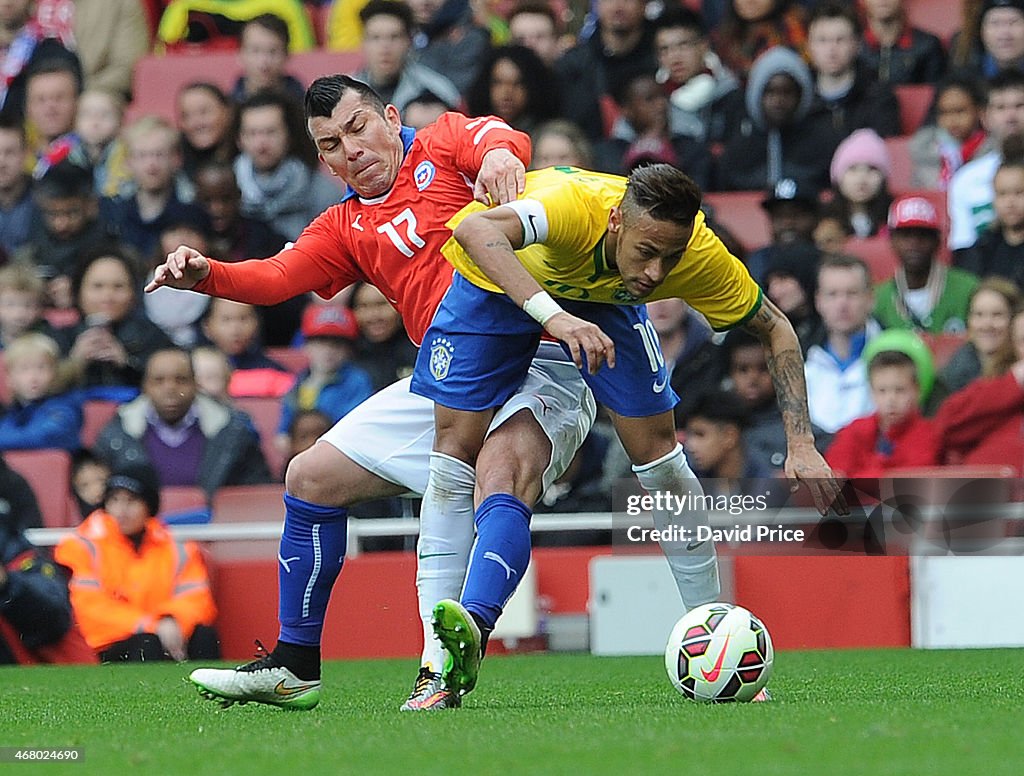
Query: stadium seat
{"x": 741, "y": 213}
{"x": 96, "y": 413}
{"x": 48, "y": 473}
{"x": 183, "y": 504}
{"x": 901, "y": 176}
{"x": 157, "y": 79}
{"x": 939, "y": 17}
{"x": 943, "y": 346}
{"x": 292, "y": 359}
{"x": 248, "y": 503}
{"x": 915, "y": 101}
{"x": 966, "y": 472}
{"x": 266, "y": 414}
{"x": 876, "y": 253}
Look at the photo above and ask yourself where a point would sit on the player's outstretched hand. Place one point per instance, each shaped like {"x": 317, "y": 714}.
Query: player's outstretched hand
{"x": 502, "y": 176}
{"x": 183, "y": 269}
{"x": 806, "y": 465}
{"x": 584, "y": 339}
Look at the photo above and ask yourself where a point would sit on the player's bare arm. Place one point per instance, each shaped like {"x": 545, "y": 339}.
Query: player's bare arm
{"x": 491, "y": 238}
{"x": 502, "y": 177}
{"x": 183, "y": 268}
{"x": 786, "y": 365}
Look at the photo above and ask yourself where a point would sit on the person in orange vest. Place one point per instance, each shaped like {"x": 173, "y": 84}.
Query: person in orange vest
{"x": 137, "y": 592}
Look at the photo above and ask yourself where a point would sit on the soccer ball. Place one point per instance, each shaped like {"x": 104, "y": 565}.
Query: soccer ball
{"x": 718, "y": 653}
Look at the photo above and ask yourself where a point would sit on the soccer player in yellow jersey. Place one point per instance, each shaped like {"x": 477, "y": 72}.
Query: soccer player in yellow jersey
{"x": 603, "y": 245}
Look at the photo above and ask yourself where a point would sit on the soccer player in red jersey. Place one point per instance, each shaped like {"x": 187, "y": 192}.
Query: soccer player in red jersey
{"x": 388, "y": 231}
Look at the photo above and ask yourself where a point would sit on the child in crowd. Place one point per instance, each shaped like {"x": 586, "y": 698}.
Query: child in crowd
{"x": 306, "y": 427}
{"x": 21, "y": 303}
{"x": 715, "y": 446}
{"x": 1000, "y": 249}
{"x": 938, "y": 150}
{"x": 175, "y": 310}
{"x": 895, "y": 436}
{"x": 89, "y": 474}
{"x": 331, "y": 384}
{"x": 40, "y": 415}
{"x": 98, "y": 124}
{"x": 831, "y": 234}
{"x": 213, "y": 373}
{"x": 860, "y": 172}
{"x": 234, "y": 329}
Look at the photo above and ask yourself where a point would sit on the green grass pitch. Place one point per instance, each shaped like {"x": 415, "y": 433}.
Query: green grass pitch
{"x": 873, "y": 712}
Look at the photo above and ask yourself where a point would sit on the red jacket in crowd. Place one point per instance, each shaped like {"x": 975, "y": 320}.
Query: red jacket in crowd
{"x": 862, "y": 450}
{"x": 984, "y": 423}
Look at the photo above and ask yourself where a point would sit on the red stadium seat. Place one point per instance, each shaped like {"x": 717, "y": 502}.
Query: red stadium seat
{"x": 96, "y": 413}
{"x": 741, "y": 213}
{"x": 915, "y": 102}
{"x": 48, "y": 472}
{"x": 902, "y": 171}
{"x": 266, "y": 414}
{"x": 157, "y": 79}
{"x": 293, "y": 359}
{"x": 876, "y": 253}
{"x": 248, "y": 503}
{"x": 939, "y": 17}
{"x": 981, "y": 471}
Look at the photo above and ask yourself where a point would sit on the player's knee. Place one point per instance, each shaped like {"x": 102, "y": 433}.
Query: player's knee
{"x": 311, "y": 478}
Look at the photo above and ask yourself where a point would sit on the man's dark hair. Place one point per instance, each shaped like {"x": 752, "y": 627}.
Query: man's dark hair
{"x": 65, "y": 180}
{"x": 665, "y": 192}
{"x": 11, "y": 123}
{"x": 888, "y": 358}
{"x": 834, "y": 9}
{"x": 396, "y": 8}
{"x": 675, "y": 17}
{"x": 721, "y": 407}
{"x": 1004, "y": 80}
{"x": 171, "y": 349}
{"x": 273, "y": 24}
{"x": 324, "y": 94}
{"x": 56, "y": 65}
{"x": 969, "y": 85}
{"x": 736, "y": 339}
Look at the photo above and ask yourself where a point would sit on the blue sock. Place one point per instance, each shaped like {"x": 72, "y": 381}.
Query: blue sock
{"x": 309, "y": 560}
{"x": 500, "y": 556}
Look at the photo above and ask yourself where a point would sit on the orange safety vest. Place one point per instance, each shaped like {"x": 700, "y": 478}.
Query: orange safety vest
{"x": 118, "y": 591}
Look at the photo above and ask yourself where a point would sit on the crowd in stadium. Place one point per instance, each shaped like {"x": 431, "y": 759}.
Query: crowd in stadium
{"x": 894, "y": 240}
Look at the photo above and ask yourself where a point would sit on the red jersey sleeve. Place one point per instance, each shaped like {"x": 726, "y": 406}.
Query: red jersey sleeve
{"x": 468, "y": 140}
{"x": 319, "y": 261}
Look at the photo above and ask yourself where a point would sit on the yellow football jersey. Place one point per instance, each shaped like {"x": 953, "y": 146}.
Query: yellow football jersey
{"x": 564, "y": 251}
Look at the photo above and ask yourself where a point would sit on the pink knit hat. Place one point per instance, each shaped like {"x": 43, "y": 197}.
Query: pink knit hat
{"x": 862, "y": 147}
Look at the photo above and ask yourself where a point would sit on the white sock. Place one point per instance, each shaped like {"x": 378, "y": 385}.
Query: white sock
{"x": 446, "y": 538}
{"x": 695, "y": 568}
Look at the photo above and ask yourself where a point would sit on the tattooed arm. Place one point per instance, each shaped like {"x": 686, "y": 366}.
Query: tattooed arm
{"x": 786, "y": 365}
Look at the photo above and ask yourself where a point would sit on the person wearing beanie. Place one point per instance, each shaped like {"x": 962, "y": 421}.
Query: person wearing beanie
{"x": 775, "y": 140}
{"x": 996, "y": 43}
{"x": 137, "y": 593}
{"x": 847, "y": 95}
{"x": 792, "y": 210}
{"x": 925, "y": 294}
{"x": 331, "y": 384}
{"x": 860, "y": 183}
{"x": 791, "y": 282}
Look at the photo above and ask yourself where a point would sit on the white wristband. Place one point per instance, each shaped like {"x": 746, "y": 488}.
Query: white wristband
{"x": 541, "y": 307}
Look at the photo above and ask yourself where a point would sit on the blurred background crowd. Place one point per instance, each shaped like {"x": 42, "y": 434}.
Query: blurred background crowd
{"x": 864, "y": 159}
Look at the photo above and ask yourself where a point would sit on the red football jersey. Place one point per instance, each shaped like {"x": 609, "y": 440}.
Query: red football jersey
{"x": 393, "y": 241}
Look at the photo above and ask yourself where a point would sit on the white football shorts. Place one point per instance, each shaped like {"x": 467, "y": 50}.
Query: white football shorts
{"x": 391, "y": 434}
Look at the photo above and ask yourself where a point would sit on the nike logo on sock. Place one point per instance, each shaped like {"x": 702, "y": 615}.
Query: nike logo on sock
{"x": 425, "y": 555}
